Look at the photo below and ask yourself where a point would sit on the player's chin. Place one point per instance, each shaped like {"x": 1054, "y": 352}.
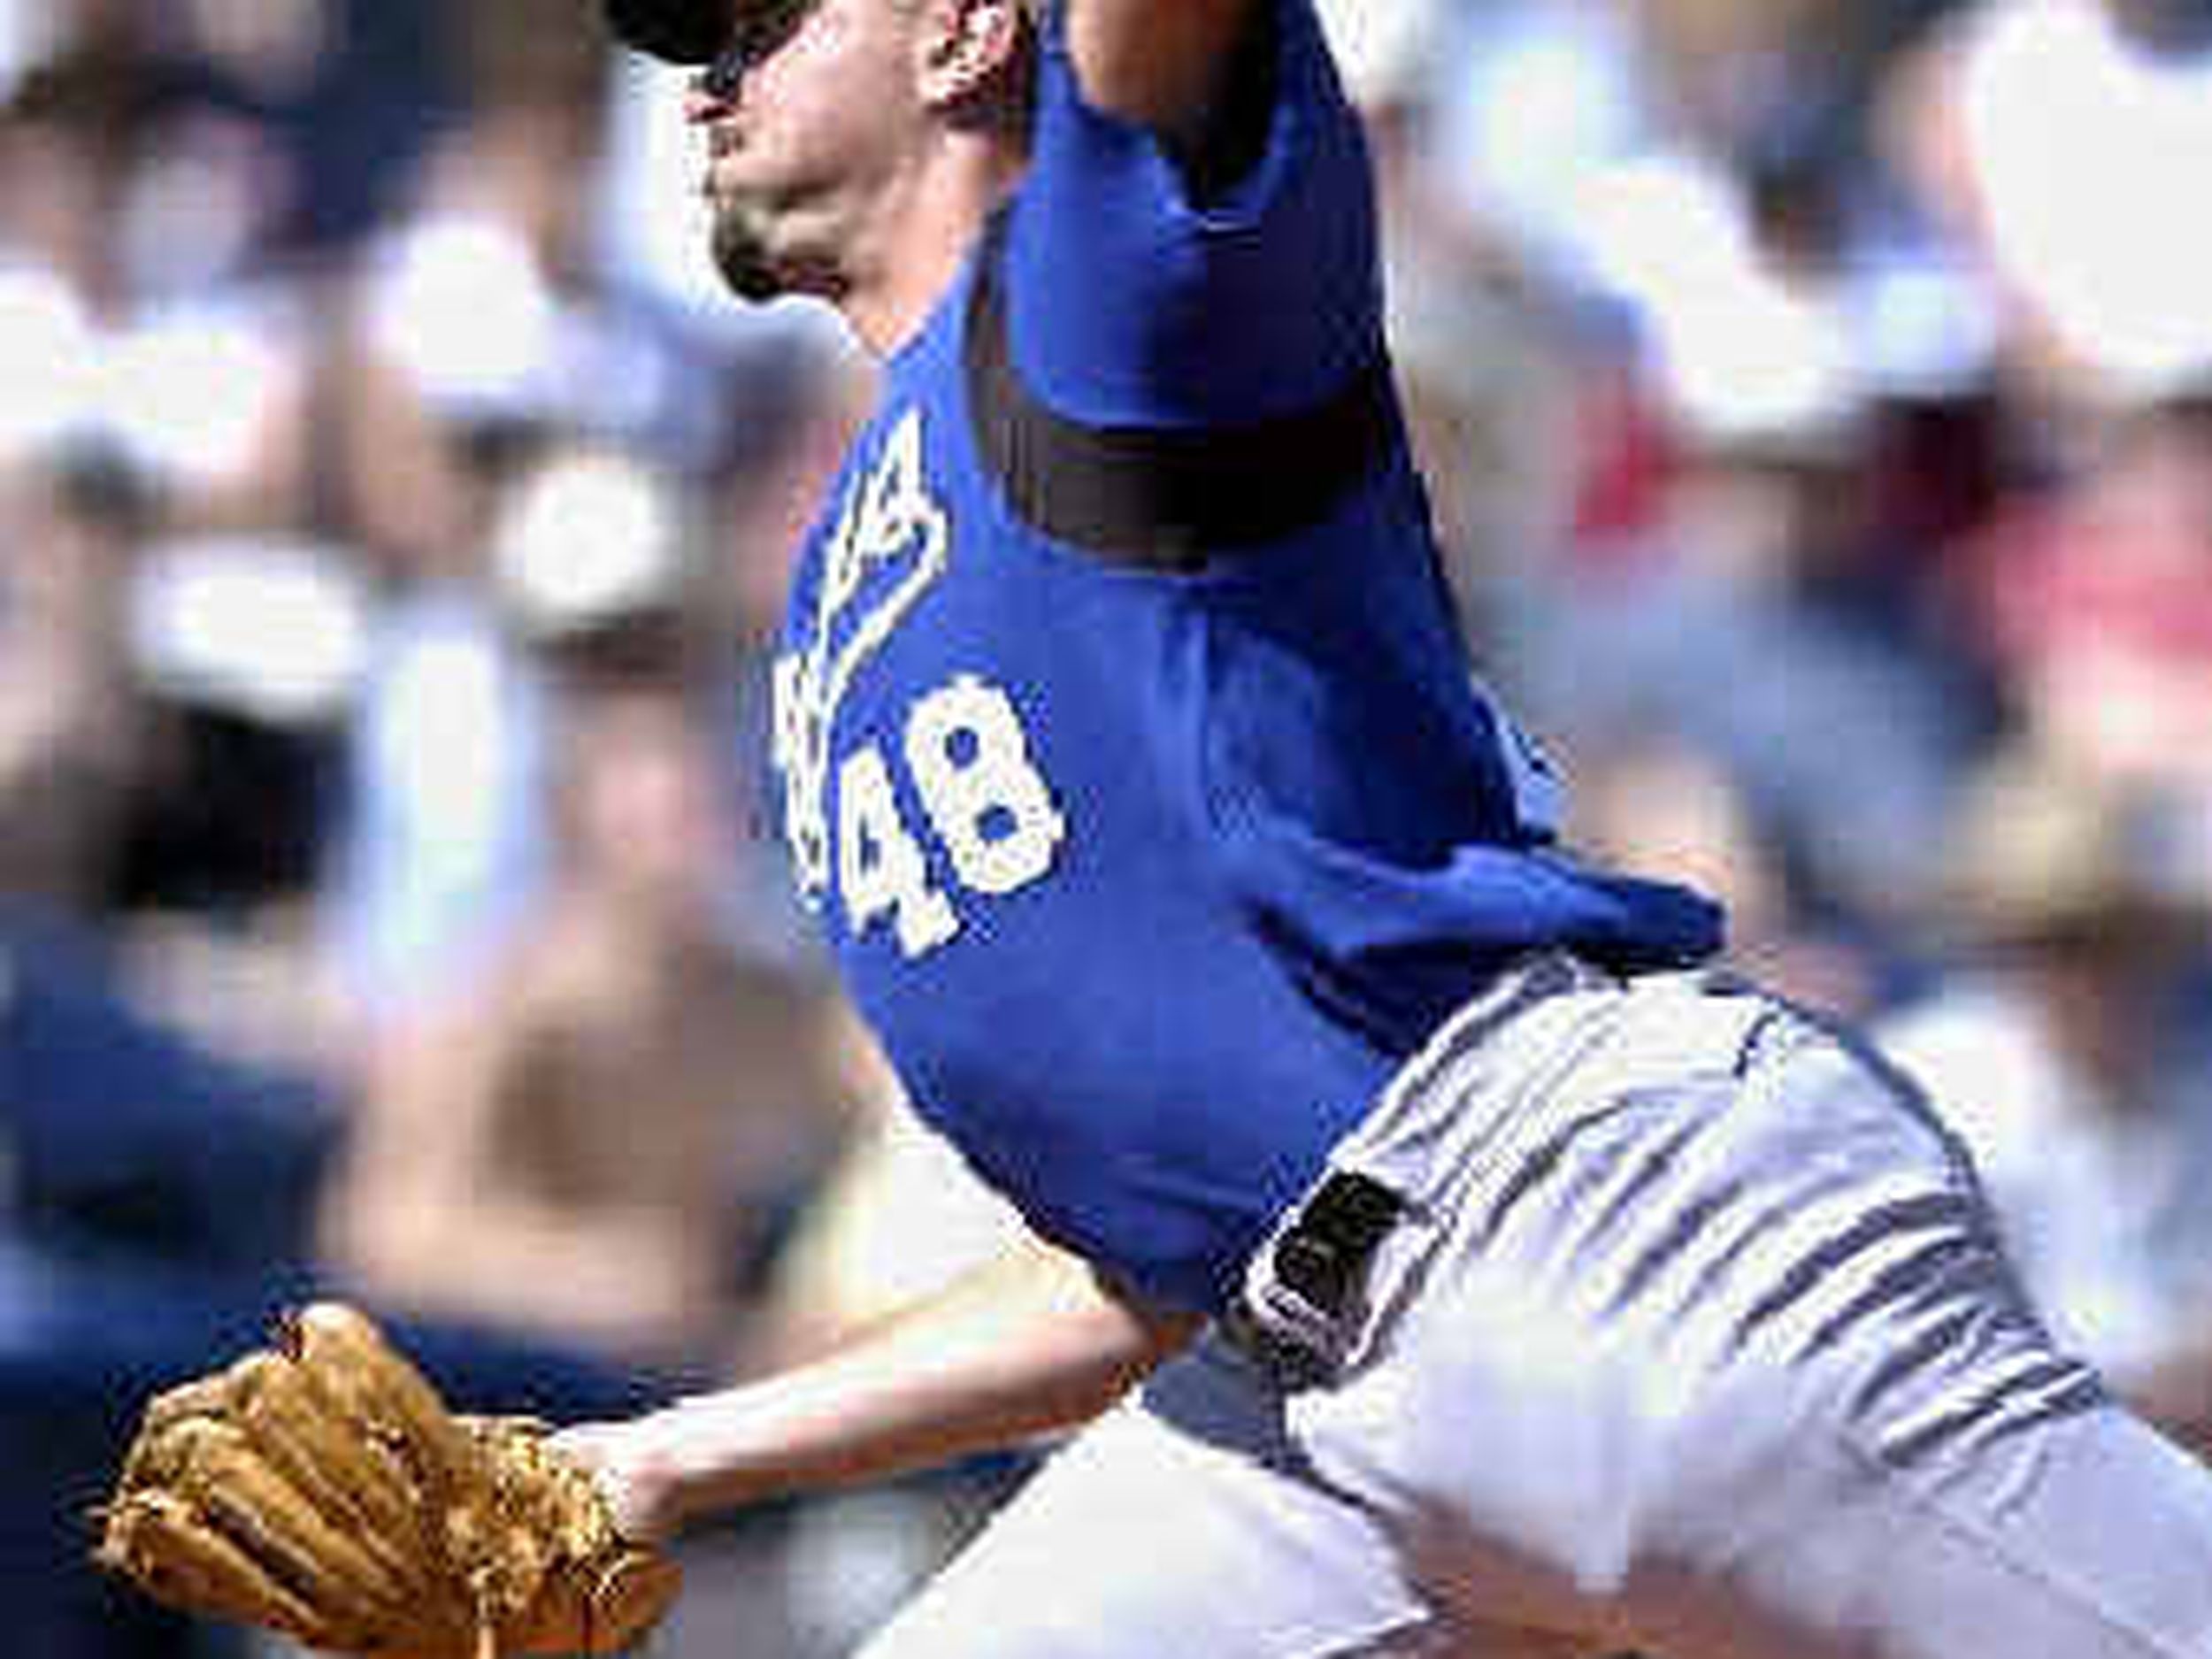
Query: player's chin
{"x": 746, "y": 259}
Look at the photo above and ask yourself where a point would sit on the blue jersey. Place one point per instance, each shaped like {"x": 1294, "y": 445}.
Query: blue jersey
{"x": 1128, "y": 746}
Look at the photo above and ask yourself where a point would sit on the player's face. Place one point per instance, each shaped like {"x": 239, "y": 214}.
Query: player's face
{"x": 806, "y": 118}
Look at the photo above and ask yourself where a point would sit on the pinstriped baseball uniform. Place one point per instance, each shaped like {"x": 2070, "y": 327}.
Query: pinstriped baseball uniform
{"x": 1695, "y": 1338}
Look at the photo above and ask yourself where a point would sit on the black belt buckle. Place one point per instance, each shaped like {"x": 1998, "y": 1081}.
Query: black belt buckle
{"x": 1325, "y": 1253}
{"x": 1295, "y": 1330}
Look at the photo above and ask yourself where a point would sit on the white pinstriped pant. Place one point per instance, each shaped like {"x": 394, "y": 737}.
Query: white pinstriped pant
{"x": 1696, "y": 1340}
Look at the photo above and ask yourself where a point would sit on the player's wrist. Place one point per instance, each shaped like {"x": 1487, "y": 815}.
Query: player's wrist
{"x": 700, "y": 1454}
{"x": 635, "y": 1466}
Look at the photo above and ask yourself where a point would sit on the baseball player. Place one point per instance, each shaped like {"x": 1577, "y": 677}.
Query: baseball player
{"x": 1444, "y": 1256}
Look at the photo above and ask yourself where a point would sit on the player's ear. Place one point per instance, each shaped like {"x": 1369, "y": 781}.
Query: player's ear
{"x": 968, "y": 49}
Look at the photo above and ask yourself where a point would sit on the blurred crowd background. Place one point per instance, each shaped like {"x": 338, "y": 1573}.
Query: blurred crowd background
{"x": 1817, "y": 400}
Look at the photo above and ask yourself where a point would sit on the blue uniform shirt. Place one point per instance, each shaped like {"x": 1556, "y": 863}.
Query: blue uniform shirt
{"x": 1146, "y": 877}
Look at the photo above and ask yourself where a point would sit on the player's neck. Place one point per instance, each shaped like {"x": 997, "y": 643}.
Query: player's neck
{"x": 898, "y": 274}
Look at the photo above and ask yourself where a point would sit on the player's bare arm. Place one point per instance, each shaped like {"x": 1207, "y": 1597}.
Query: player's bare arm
{"x": 1165, "y": 64}
{"x": 1030, "y": 1343}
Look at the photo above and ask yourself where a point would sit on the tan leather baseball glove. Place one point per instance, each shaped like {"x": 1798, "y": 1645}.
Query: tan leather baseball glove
{"x": 320, "y": 1487}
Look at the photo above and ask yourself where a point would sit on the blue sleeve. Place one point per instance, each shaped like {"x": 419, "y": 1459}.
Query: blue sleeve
{"x": 1132, "y": 304}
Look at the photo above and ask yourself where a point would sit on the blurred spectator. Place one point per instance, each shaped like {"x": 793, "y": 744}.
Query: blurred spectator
{"x": 1538, "y": 101}
{"x": 476, "y": 345}
{"x": 339, "y": 99}
{"x": 251, "y": 647}
{"x": 596, "y": 1130}
{"x": 2051, "y": 1047}
{"x": 479, "y": 340}
{"x": 130, "y": 311}
{"x": 247, "y": 650}
{"x": 434, "y": 842}
{"x": 435, "y": 838}
{"x": 29, "y": 32}
{"x": 479, "y": 324}
{"x": 130, "y": 1133}
{"x": 1763, "y": 624}
{"x": 601, "y": 1142}
{"x": 2093, "y": 598}
{"x": 154, "y": 1189}
{"x": 72, "y": 723}
{"x": 2053, "y": 140}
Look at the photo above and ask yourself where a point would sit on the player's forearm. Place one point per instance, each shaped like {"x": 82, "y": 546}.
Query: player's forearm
{"x": 1161, "y": 63}
{"x": 1024, "y": 1346}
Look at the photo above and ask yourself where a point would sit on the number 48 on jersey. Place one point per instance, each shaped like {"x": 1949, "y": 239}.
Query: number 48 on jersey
{"x": 966, "y": 758}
